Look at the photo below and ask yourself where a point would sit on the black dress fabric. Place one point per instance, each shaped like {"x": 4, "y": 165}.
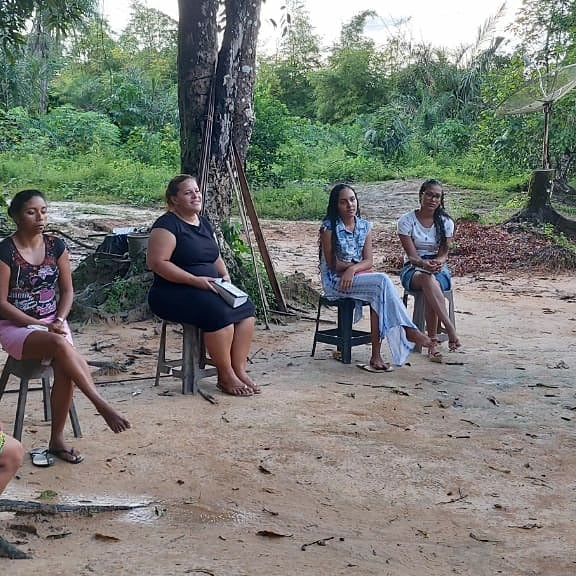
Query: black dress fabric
{"x": 196, "y": 252}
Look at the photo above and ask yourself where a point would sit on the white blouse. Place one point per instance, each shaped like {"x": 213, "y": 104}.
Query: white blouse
{"x": 424, "y": 238}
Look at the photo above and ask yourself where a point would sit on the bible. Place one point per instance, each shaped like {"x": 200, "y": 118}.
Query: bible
{"x": 230, "y": 293}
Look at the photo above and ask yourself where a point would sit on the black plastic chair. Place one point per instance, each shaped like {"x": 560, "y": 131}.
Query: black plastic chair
{"x": 344, "y": 337}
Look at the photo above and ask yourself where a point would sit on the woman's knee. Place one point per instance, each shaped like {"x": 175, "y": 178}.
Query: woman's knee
{"x": 12, "y": 455}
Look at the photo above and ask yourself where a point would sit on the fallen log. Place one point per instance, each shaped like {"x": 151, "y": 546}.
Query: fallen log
{"x": 28, "y": 507}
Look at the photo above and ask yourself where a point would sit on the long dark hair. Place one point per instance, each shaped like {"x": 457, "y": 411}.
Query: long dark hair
{"x": 20, "y": 199}
{"x": 332, "y": 214}
{"x": 440, "y": 212}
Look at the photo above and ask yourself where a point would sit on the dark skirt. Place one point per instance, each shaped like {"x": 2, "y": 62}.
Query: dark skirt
{"x": 202, "y": 308}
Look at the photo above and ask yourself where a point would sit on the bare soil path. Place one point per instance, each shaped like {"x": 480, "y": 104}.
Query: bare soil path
{"x": 466, "y": 467}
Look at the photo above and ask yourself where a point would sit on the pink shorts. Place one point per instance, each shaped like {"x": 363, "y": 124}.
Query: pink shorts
{"x": 12, "y": 337}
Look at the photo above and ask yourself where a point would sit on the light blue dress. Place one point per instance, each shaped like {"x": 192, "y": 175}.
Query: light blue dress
{"x": 376, "y": 288}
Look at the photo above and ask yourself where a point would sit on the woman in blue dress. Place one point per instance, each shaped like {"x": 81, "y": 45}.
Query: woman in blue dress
{"x": 346, "y": 271}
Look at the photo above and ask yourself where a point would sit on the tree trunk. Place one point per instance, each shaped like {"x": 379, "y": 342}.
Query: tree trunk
{"x": 244, "y": 110}
{"x": 232, "y": 71}
{"x": 539, "y": 210}
{"x": 197, "y": 54}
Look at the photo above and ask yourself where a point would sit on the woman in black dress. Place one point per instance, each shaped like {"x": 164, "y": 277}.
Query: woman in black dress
{"x": 185, "y": 259}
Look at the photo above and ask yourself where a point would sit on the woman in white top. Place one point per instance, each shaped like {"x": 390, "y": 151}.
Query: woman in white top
{"x": 425, "y": 234}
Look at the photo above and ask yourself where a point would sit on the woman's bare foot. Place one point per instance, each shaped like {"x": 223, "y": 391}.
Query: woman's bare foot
{"x": 378, "y": 363}
{"x": 414, "y": 335}
{"x": 116, "y": 422}
{"x": 232, "y": 385}
{"x": 243, "y": 376}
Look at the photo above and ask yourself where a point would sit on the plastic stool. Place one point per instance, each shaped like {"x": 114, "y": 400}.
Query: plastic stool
{"x": 28, "y": 370}
{"x": 344, "y": 337}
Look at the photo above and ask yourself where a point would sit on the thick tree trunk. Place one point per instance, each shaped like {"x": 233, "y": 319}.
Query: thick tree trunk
{"x": 539, "y": 209}
{"x": 244, "y": 110}
{"x": 197, "y": 55}
{"x": 232, "y": 71}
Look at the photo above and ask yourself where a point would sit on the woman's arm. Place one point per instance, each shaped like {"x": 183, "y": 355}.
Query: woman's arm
{"x": 222, "y": 270}
{"x": 161, "y": 246}
{"x": 432, "y": 265}
{"x": 65, "y": 293}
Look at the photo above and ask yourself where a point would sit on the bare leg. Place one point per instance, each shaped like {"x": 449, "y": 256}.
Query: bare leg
{"x": 376, "y": 360}
{"x": 219, "y": 347}
{"x": 243, "y": 333}
{"x": 435, "y": 301}
{"x": 414, "y": 335}
{"x": 69, "y": 366}
{"x": 11, "y": 459}
{"x": 431, "y": 328}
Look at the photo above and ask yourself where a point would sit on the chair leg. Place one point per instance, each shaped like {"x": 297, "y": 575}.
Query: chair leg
{"x": 191, "y": 350}
{"x": 22, "y": 395}
{"x": 74, "y": 421}
{"x": 4, "y": 379}
{"x": 345, "y": 317}
{"x": 161, "y": 353}
{"x": 418, "y": 316}
{"x": 46, "y": 398}
{"x": 317, "y": 325}
{"x": 451, "y": 312}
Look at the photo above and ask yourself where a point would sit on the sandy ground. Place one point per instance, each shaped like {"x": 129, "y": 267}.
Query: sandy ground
{"x": 466, "y": 467}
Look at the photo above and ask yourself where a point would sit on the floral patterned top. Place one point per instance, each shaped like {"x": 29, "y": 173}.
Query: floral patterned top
{"x": 33, "y": 288}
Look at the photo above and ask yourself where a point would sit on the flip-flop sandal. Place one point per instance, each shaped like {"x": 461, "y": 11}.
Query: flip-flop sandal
{"x": 239, "y": 392}
{"x": 41, "y": 457}
{"x": 435, "y": 357}
{"x": 70, "y": 456}
{"x": 374, "y": 369}
{"x": 453, "y": 345}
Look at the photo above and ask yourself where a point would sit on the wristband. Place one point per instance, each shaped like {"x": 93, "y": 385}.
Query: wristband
{"x": 60, "y": 319}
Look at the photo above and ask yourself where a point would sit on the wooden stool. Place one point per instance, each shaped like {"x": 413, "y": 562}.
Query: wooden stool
{"x": 28, "y": 370}
{"x": 344, "y": 337}
{"x": 418, "y": 315}
{"x": 191, "y": 367}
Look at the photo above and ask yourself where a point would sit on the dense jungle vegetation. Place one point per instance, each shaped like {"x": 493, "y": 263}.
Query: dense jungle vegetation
{"x": 93, "y": 115}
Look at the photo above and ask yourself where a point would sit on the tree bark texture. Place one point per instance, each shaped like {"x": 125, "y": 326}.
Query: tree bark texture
{"x": 232, "y": 70}
{"x": 197, "y": 55}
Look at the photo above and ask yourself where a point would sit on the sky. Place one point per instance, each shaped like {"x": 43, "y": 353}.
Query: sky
{"x": 447, "y": 23}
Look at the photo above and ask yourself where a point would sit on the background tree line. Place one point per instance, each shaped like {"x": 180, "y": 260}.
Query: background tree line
{"x": 91, "y": 114}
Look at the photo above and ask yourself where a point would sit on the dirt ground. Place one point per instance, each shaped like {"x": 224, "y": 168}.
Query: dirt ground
{"x": 466, "y": 467}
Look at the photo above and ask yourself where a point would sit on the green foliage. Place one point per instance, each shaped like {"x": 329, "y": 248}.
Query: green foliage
{"x": 88, "y": 178}
{"x": 268, "y": 137}
{"x": 73, "y": 131}
{"x": 161, "y": 148}
{"x": 125, "y": 294}
{"x": 388, "y": 132}
{"x": 305, "y": 201}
